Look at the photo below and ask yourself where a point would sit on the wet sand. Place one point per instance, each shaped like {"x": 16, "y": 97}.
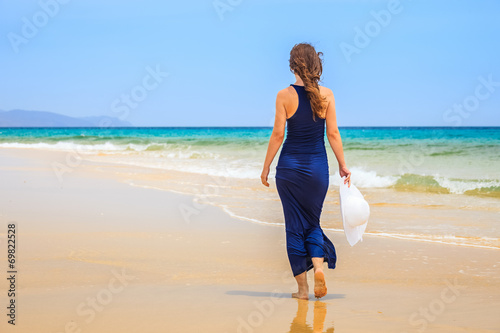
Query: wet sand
{"x": 98, "y": 255}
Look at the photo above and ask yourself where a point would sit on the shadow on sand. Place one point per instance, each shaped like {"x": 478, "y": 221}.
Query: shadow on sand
{"x": 277, "y": 295}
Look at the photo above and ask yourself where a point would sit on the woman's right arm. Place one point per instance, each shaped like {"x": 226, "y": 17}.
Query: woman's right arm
{"x": 333, "y": 135}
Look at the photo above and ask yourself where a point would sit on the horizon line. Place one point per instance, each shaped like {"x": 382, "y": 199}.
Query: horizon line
{"x": 224, "y": 126}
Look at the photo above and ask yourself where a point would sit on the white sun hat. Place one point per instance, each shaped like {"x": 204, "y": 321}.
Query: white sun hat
{"x": 355, "y": 212}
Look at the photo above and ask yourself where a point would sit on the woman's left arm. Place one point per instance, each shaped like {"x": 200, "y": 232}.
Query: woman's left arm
{"x": 277, "y": 136}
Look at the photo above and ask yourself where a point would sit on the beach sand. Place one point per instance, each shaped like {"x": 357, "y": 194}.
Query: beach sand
{"x": 95, "y": 254}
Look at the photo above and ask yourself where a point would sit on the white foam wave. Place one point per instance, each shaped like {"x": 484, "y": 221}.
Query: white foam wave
{"x": 444, "y": 239}
{"x": 214, "y": 167}
{"x": 462, "y": 186}
{"x": 365, "y": 178}
{"x": 65, "y": 146}
{"x": 163, "y": 151}
{"x": 222, "y": 163}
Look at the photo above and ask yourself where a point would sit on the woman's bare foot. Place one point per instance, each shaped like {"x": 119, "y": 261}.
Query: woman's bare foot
{"x": 319, "y": 284}
{"x": 302, "y": 285}
{"x": 300, "y": 295}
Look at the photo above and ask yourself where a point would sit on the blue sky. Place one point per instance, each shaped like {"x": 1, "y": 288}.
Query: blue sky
{"x": 423, "y": 63}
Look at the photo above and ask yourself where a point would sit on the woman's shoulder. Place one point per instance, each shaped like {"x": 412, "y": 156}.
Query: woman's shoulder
{"x": 285, "y": 93}
{"x": 325, "y": 91}
{"x": 289, "y": 91}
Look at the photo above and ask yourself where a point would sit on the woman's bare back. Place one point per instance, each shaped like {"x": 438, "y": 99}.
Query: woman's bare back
{"x": 292, "y": 100}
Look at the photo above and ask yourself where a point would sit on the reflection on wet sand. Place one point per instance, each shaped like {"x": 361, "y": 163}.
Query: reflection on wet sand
{"x": 299, "y": 323}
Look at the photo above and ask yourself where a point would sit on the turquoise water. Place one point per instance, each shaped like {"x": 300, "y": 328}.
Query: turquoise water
{"x": 373, "y": 133}
{"x": 429, "y": 159}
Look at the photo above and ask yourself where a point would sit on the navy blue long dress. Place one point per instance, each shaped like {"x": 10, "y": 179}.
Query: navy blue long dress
{"x": 302, "y": 179}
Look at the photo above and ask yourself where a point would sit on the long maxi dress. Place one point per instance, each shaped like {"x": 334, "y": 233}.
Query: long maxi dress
{"x": 302, "y": 179}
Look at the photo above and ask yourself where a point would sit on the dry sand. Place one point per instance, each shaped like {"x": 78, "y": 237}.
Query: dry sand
{"x": 97, "y": 255}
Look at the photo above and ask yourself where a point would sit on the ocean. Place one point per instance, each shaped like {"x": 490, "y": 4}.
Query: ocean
{"x": 443, "y": 160}
{"x": 451, "y": 173}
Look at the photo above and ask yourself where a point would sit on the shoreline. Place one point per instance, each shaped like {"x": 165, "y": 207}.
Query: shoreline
{"x": 389, "y": 206}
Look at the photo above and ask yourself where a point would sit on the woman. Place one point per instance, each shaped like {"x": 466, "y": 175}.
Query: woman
{"x": 302, "y": 174}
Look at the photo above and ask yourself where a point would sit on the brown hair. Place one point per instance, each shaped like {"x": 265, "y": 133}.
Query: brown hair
{"x": 307, "y": 64}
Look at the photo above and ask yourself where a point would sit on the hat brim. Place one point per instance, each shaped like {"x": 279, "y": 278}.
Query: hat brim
{"x": 353, "y": 234}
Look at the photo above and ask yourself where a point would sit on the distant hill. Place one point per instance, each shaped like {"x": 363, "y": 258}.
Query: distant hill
{"x": 24, "y": 118}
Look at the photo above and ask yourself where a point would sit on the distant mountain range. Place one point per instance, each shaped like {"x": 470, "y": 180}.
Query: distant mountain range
{"x": 24, "y": 118}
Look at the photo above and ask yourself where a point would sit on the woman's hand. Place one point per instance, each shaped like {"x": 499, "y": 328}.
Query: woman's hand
{"x": 264, "y": 175}
{"x": 344, "y": 172}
